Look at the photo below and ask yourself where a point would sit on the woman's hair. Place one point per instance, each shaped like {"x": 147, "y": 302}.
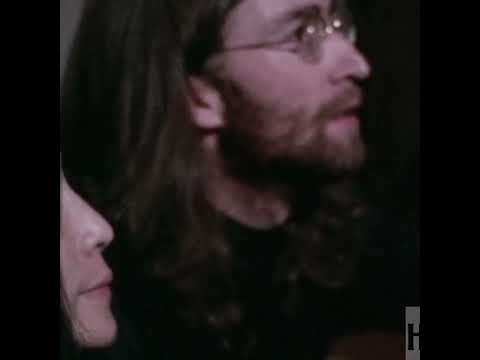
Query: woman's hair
{"x": 130, "y": 148}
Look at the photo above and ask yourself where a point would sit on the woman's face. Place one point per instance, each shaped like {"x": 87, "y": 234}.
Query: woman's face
{"x": 85, "y": 276}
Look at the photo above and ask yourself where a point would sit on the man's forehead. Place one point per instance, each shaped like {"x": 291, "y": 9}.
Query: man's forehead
{"x": 254, "y": 14}
{"x": 272, "y": 9}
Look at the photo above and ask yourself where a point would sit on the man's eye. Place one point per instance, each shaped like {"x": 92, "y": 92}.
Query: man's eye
{"x": 308, "y": 30}
{"x": 311, "y": 28}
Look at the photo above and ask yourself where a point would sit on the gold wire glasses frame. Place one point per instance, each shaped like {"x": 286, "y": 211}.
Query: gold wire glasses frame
{"x": 314, "y": 32}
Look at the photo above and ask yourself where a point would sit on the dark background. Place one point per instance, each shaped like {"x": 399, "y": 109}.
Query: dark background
{"x": 389, "y": 35}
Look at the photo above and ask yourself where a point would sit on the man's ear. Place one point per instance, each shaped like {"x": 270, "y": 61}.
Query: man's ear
{"x": 206, "y": 104}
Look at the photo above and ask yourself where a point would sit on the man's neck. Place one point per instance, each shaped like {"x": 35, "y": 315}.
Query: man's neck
{"x": 260, "y": 207}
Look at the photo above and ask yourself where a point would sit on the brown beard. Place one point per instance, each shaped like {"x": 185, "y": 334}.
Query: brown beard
{"x": 253, "y": 156}
{"x": 327, "y": 209}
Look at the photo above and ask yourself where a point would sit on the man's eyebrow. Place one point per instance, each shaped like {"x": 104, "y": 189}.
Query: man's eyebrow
{"x": 295, "y": 14}
{"x": 304, "y": 10}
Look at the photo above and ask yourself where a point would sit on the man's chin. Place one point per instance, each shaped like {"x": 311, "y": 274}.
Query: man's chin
{"x": 350, "y": 164}
{"x": 346, "y": 158}
{"x": 336, "y": 158}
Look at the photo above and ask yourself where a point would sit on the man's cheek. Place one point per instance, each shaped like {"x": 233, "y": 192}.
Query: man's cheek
{"x": 267, "y": 126}
{"x": 276, "y": 84}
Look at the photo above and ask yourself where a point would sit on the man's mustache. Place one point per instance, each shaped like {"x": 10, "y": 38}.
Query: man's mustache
{"x": 346, "y": 102}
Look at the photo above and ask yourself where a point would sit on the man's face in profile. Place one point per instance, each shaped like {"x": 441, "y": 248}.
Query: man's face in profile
{"x": 289, "y": 74}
